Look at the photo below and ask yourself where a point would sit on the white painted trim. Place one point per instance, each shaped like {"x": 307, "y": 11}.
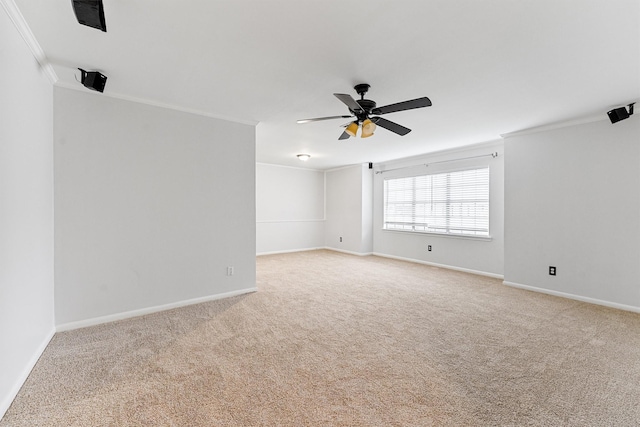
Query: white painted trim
{"x": 448, "y": 236}
{"x": 557, "y": 125}
{"x": 345, "y": 167}
{"x": 417, "y": 261}
{"x": 349, "y": 252}
{"x": 290, "y": 167}
{"x": 141, "y": 312}
{"x": 8, "y": 399}
{"x": 288, "y": 251}
{"x": 289, "y": 220}
{"x": 448, "y": 267}
{"x": 153, "y": 103}
{"x": 574, "y": 297}
{"x": 36, "y": 50}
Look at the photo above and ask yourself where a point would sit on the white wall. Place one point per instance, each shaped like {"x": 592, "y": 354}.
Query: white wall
{"x": 289, "y": 209}
{"x": 573, "y": 202}
{"x": 348, "y": 207}
{"x": 367, "y": 209}
{"x": 26, "y": 211}
{"x": 151, "y": 206}
{"x": 475, "y": 255}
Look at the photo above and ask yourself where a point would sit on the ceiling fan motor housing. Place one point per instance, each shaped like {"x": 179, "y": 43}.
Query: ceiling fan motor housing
{"x": 367, "y": 105}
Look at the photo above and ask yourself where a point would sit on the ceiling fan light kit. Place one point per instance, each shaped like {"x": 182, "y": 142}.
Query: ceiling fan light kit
{"x": 368, "y": 127}
{"x": 366, "y": 135}
{"x": 362, "y": 109}
{"x": 352, "y": 129}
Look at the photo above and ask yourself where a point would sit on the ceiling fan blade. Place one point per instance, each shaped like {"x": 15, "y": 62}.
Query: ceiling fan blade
{"x": 389, "y": 125}
{"x": 318, "y": 119}
{"x": 344, "y": 135}
{"x": 349, "y": 102}
{"x": 401, "y": 106}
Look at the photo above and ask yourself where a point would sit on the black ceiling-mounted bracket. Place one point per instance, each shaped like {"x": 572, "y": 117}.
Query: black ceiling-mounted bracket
{"x": 90, "y": 13}
{"x": 620, "y": 113}
{"x": 93, "y": 80}
{"x": 361, "y": 89}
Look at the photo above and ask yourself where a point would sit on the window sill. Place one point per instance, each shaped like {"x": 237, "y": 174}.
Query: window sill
{"x": 452, "y": 236}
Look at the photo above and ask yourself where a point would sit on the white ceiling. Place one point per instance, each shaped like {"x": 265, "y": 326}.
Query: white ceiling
{"x": 489, "y": 66}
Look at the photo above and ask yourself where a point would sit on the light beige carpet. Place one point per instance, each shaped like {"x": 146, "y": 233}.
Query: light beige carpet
{"x": 337, "y": 340}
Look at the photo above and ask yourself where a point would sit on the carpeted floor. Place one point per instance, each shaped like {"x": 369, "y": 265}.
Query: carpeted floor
{"x": 337, "y": 340}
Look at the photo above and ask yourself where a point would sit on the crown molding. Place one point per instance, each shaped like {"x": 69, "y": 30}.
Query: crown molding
{"x": 337, "y": 168}
{"x": 152, "y": 103}
{"x": 290, "y": 167}
{"x": 556, "y": 125}
{"x": 21, "y": 25}
{"x": 25, "y": 32}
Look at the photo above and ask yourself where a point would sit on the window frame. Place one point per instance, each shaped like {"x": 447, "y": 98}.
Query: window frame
{"x": 436, "y": 233}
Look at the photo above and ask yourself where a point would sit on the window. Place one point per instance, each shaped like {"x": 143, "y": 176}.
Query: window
{"x": 454, "y": 203}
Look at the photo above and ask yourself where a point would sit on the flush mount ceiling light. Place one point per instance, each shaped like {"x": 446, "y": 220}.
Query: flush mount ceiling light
{"x": 304, "y": 157}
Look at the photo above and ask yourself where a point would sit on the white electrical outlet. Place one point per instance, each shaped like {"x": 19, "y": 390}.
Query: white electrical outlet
{"x": 229, "y": 271}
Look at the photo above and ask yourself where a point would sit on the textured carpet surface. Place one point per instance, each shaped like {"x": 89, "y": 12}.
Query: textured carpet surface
{"x": 337, "y": 340}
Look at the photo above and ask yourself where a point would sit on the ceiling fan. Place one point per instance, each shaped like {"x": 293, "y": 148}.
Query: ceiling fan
{"x": 362, "y": 109}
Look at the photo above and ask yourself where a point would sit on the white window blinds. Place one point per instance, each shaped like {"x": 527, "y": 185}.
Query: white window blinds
{"x": 449, "y": 203}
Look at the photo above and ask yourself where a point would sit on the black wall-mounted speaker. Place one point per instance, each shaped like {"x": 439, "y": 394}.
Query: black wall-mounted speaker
{"x": 90, "y": 13}
{"x": 618, "y": 114}
{"x": 93, "y": 80}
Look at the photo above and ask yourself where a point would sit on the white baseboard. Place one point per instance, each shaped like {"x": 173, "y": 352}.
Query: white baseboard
{"x": 288, "y": 251}
{"x": 448, "y": 267}
{"x": 417, "y": 261}
{"x": 8, "y": 399}
{"x": 141, "y": 312}
{"x": 348, "y": 252}
{"x": 574, "y": 297}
